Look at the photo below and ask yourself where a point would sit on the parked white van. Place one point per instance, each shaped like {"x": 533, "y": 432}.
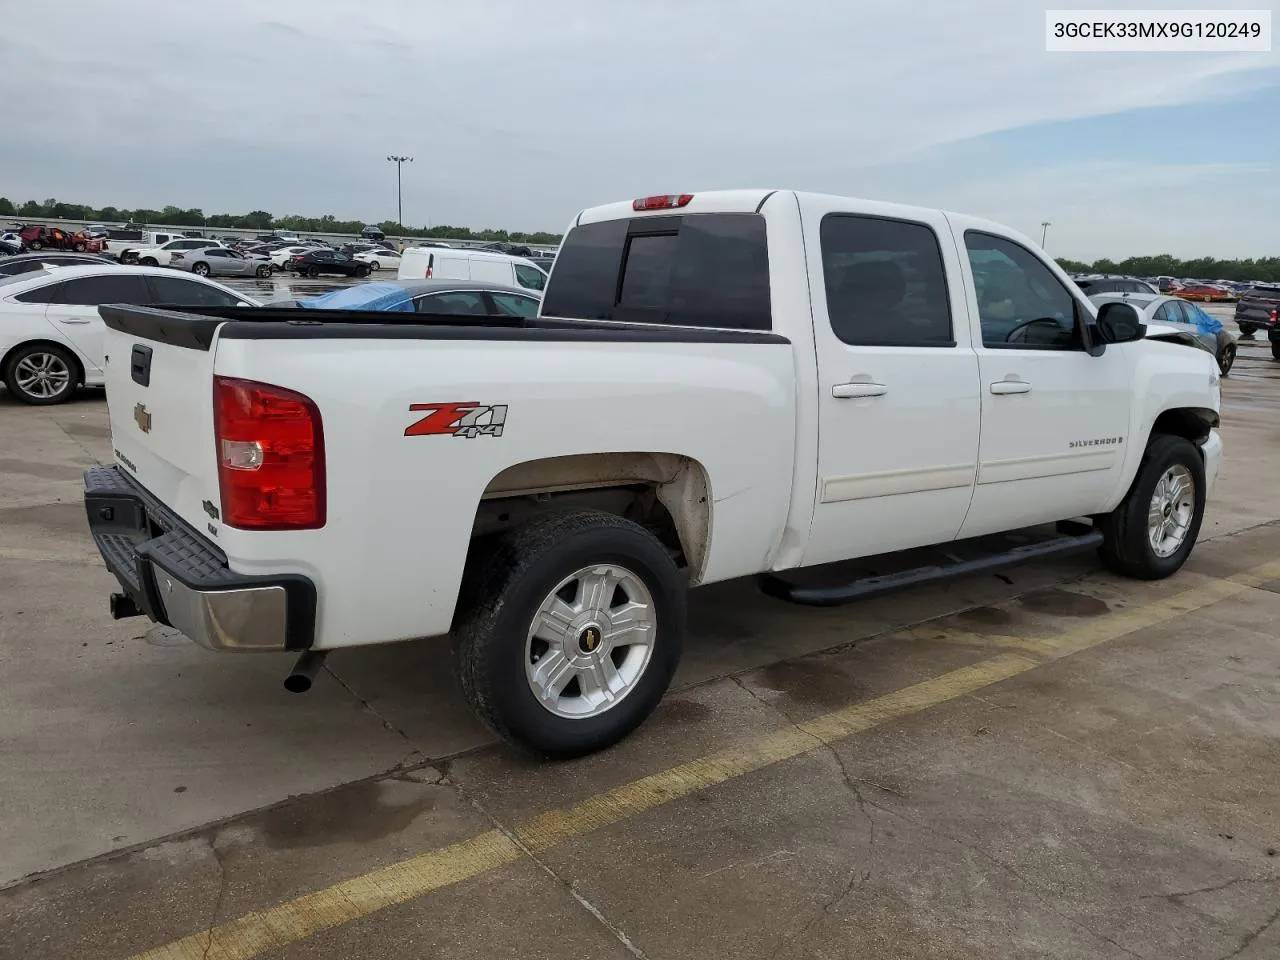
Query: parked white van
{"x": 438, "y": 263}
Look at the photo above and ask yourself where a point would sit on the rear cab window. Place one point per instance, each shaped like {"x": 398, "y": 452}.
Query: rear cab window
{"x": 697, "y": 270}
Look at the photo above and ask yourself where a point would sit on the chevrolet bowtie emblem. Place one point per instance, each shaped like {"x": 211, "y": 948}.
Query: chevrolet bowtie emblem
{"x": 142, "y": 418}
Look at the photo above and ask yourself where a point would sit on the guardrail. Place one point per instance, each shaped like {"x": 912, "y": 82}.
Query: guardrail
{"x": 72, "y": 226}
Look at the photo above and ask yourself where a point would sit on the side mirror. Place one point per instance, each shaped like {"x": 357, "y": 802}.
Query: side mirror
{"x": 1120, "y": 323}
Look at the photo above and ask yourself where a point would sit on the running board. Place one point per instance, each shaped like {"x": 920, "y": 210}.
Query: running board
{"x": 834, "y": 596}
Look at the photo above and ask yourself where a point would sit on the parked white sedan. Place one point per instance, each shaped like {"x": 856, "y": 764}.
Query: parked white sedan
{"x": 380, "y": 259}
{"x": 51, "y": 335}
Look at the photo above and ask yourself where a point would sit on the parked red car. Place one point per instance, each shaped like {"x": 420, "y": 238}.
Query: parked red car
{"x": 83, "y": 243}
{"x": 1202, "y": 291}
{"x": 40, "y": 238}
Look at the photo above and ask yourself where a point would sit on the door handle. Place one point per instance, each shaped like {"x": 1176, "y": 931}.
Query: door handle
{"x": 73, "y": 319}
{"x": 1002, "y": 387}
{"x": 846, "y": 391}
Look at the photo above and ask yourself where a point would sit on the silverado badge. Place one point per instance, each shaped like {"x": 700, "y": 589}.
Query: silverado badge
{"x": 142, "y": 418}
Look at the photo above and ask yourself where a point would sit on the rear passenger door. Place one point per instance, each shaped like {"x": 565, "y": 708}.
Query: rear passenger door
{"x": 898, "y": 401}
{"x": 75, "y": 310}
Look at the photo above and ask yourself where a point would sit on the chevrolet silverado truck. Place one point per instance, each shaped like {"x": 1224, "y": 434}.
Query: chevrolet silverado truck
{"x": 722, "y": 385}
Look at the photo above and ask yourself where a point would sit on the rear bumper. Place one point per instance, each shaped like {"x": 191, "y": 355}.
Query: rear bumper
{"x": 176, "y": 577}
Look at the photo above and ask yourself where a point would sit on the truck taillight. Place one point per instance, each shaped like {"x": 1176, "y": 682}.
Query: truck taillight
{"x": 1275, "y": 315}
{"x": 270, "y": 449}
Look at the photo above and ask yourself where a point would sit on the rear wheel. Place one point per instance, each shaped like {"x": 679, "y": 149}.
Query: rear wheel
{"x": 313, "y": 272}
{"x": 41, "y": 374}
{"x": 1275, "y": 349}
{"x": 202, "y": 269}
{"x": 79, "y": 247}
{"x": 1151, "y": 534}
{"x": 570, "y": 631}
{"x": 37, "y": 244}
{"x": 1246, "y": 331}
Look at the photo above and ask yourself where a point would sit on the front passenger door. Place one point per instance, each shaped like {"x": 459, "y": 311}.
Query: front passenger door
{"x": 1054, "y": 419}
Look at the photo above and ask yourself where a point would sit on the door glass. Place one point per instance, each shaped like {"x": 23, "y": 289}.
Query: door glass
{"x": 1021, "y": 304}
{"x": 530, "y": 277}
{"x": 885, "y": 282}
{"x": 1167, "y": 314}
{"x": 459, "y": 302}
{"x": 46, "y": 294}
{"x": 92, "y": 291}
{"x": 514, "y": 305}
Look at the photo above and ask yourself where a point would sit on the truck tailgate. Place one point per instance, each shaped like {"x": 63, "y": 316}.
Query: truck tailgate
{"x": 159, "y": 378}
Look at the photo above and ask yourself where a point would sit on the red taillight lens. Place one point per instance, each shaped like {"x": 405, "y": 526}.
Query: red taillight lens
{"x": 1275, "y": 316}
{"x": 270, "y": 449}
{"x": 662, "y": 202}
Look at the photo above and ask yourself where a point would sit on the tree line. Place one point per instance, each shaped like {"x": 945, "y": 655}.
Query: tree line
{"x": 1167, "y": 265}
{"x": 254, "y": 220}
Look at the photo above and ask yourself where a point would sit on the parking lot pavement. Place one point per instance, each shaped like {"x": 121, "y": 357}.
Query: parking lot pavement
{"x": 1051, "y": 762}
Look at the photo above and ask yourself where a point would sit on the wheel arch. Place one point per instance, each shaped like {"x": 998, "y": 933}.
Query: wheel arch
{"x": 668, "y": 493}
{"x": 1190, "y": 423}
{"x": 43, "y": 342}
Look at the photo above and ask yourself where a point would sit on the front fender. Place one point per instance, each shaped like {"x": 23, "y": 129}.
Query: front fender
{"x": 1173, "y": 387}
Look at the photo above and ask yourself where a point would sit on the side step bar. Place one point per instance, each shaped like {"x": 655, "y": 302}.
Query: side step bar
{"x": 833, "y": 596}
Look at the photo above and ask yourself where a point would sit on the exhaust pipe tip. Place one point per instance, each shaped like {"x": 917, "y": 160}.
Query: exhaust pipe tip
{"x": 297, "y": 683}
{"x": 302, "y": 676}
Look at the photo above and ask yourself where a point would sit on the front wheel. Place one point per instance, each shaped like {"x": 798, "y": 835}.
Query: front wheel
{"x": 1226, "y": 358}
{"x": 37, "y": 244}
{"x": 570, "y": 631}
{"x": 1151, "y": 534}
{"x": 149, "y": 262}
{"x": 264, "y": 272}
{"x": 362, "y": 272}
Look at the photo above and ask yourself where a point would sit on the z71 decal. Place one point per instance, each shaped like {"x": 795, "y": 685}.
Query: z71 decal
{"x": 468, "y": 420}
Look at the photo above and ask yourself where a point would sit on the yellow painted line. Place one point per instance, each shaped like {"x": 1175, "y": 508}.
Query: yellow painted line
{"x": 294, "y": 920}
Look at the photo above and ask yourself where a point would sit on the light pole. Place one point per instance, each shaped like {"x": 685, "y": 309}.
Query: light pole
{"x": 1044, "y": 229}
{"x": 399, "y": 161}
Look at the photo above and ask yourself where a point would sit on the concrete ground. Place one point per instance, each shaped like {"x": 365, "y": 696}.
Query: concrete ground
{"x": 1049, "y": 762}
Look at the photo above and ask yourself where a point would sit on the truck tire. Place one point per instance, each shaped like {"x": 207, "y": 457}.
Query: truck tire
{"x": 1275, "y": 349}
{"x": 1247, "y": 330}
{"x": 1152, "y": 532}
{"x": 570, "y": 629}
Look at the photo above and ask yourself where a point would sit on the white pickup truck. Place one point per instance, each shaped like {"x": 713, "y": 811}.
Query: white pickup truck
{"x": 718, "y": 385}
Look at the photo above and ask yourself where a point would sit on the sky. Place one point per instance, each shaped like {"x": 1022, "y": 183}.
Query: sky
{"x": 519, "y": 114}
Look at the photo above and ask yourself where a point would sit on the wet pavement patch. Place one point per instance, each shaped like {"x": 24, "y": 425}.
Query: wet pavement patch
{"x": 53, "y": 517}
{"x": 41, "y": 471}
{"x": 815, "y": 681}
{"x": 1064, "y": 603}
{"x": 357, "y": 813}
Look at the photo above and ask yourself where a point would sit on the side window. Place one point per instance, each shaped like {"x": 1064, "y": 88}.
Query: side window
{"x": 514, "y": 305}
{"x": 1181, "y": 311}
{"x": 178, "y": 292}
{"x": 885, "y": 282}
{"x": 460, "y": 302}
{"x": 45, "y": 294}
{"x": 697, "y": 270}
{"x": 1021, "y": 303}
{"x": 111, "y": 288}
{"x": 530, "y": 278}
{"x": 1166, "y": 314}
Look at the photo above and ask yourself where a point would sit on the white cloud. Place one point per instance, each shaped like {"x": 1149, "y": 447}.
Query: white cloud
{"x": 521, "y": 113}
